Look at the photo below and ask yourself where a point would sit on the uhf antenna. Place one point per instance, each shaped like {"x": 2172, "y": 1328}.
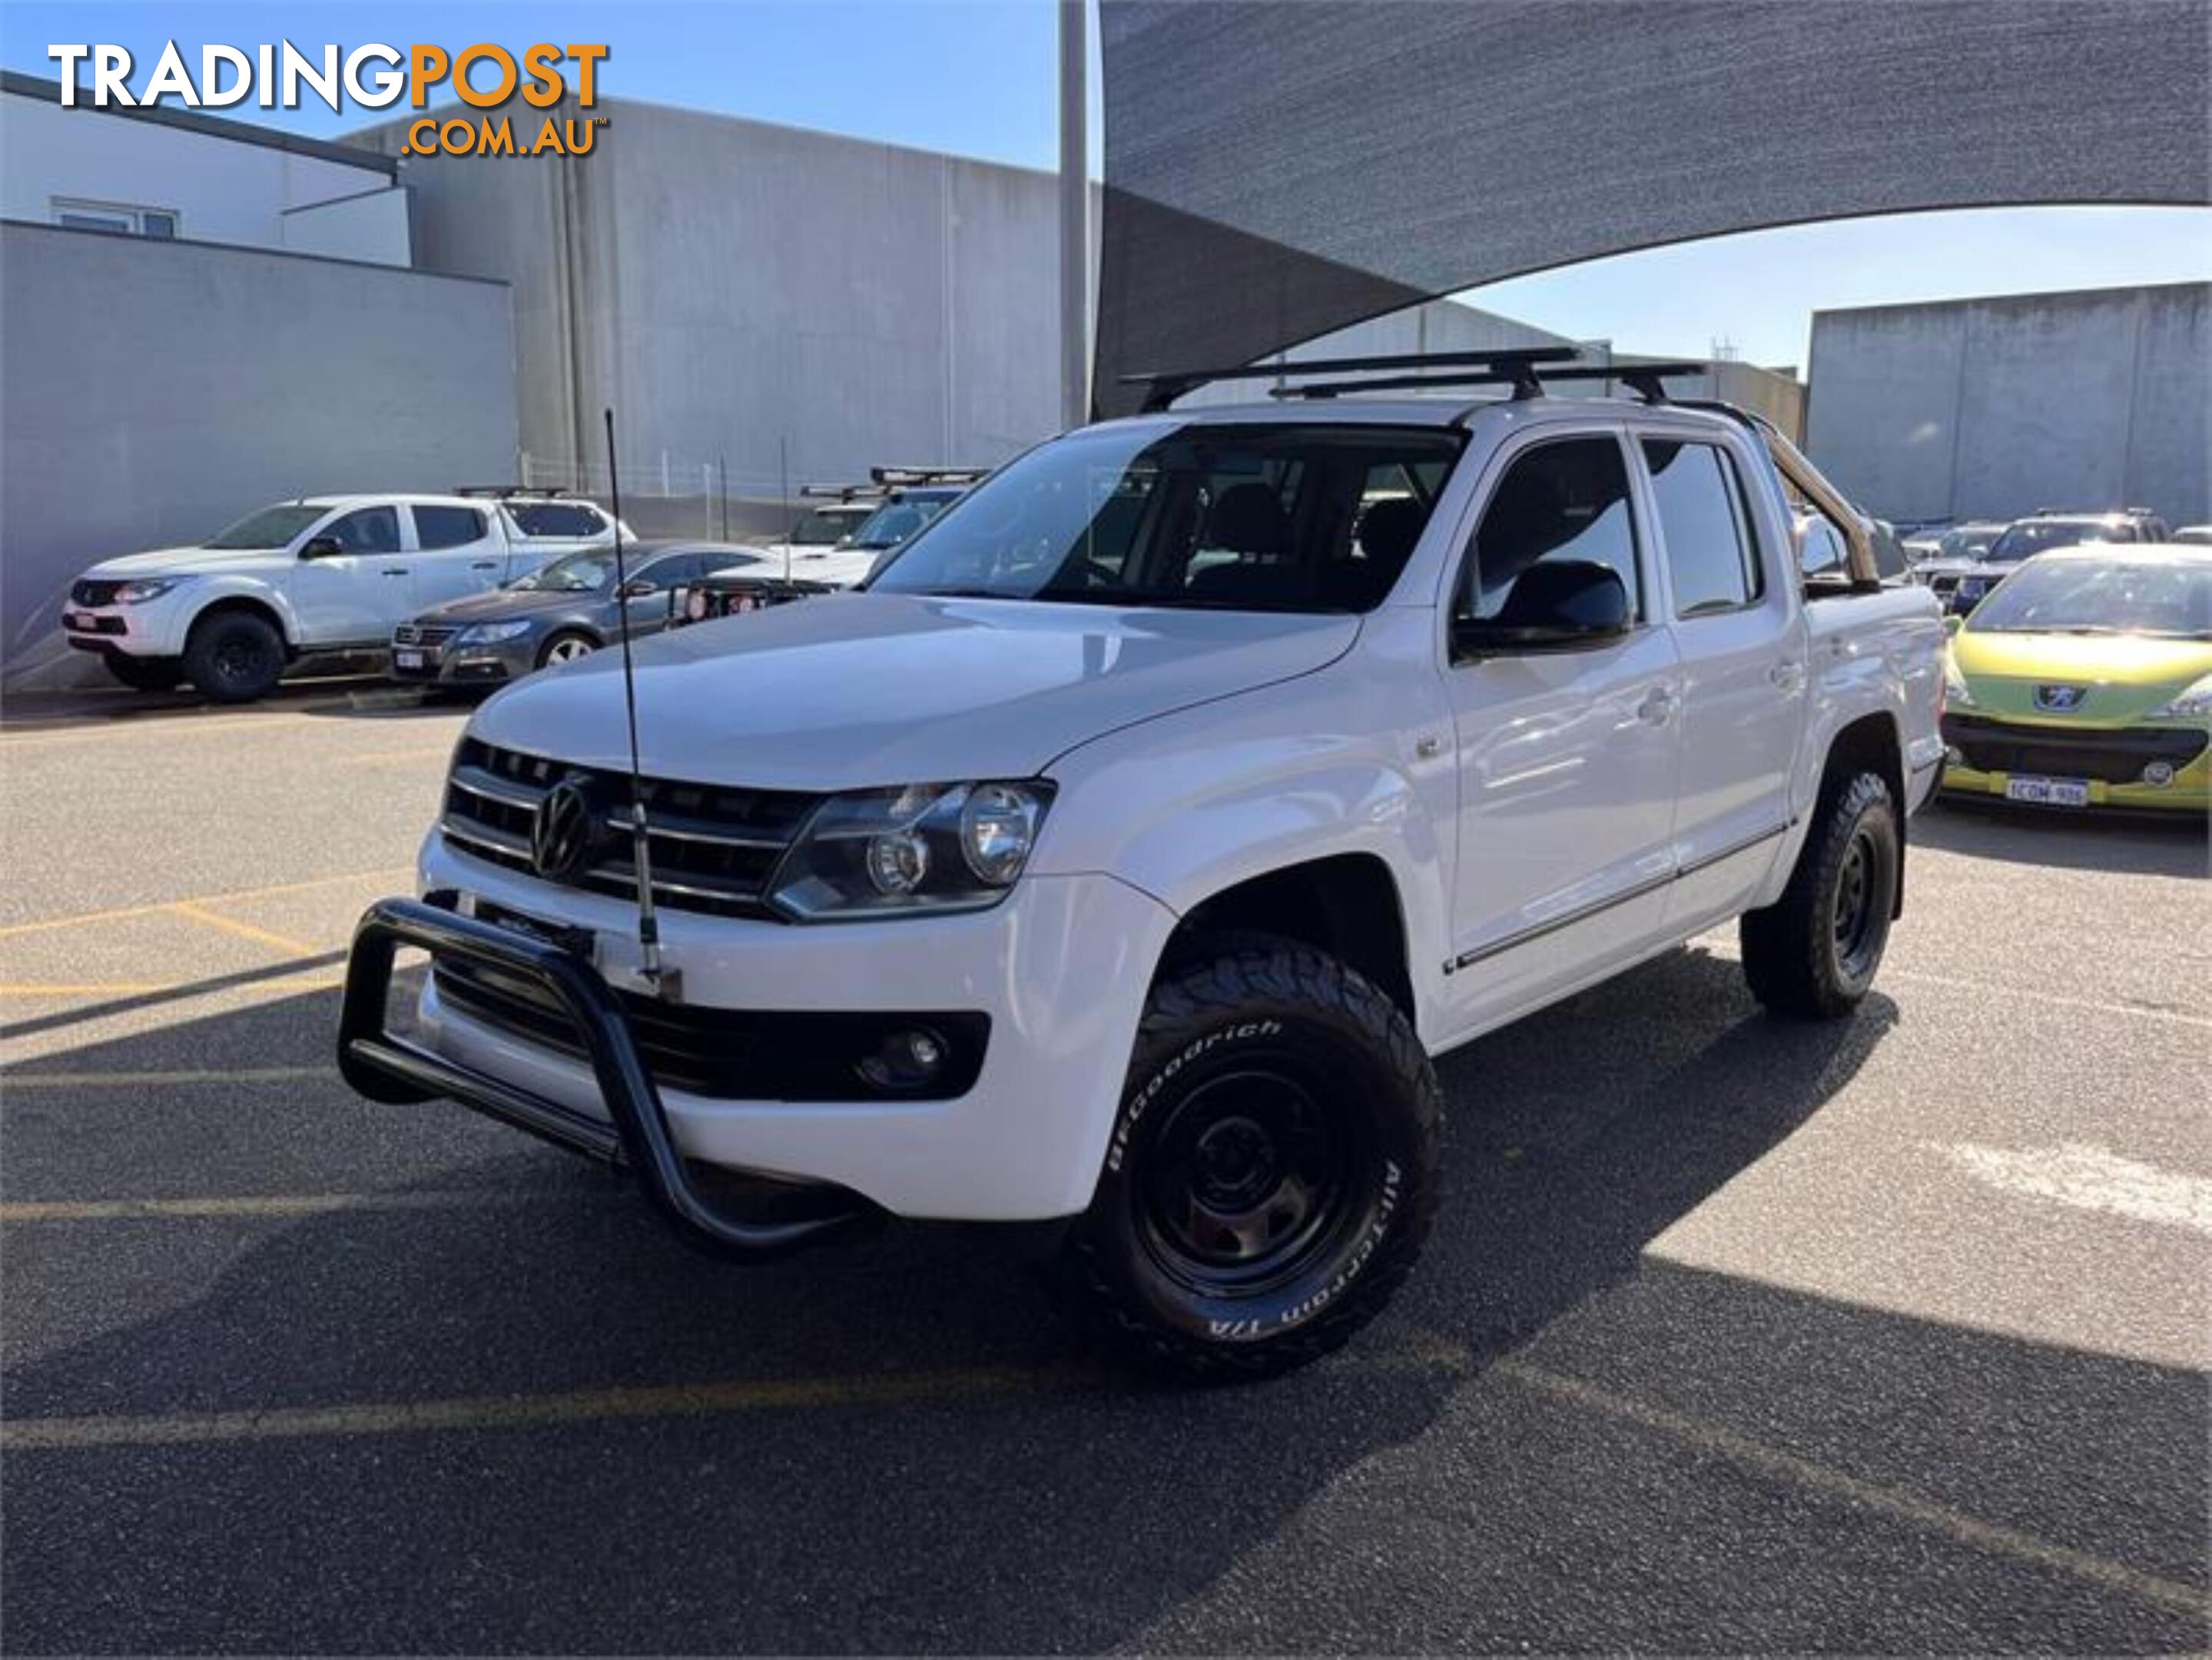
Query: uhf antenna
{"x": 783, "y": 483}
{"x": 665, "y": 981}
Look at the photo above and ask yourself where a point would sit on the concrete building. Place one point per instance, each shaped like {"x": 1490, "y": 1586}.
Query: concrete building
{"x": 165, "y": 173}
{"x": 199, "y": 317}
{"x": 1988, "y": 408}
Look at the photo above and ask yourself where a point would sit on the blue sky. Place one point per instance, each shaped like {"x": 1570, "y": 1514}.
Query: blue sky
{"x": 977, "y": 77}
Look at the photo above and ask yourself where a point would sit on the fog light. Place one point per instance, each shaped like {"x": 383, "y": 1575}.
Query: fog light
{"x": 1953, "y": 756}
{"x": 2158, "y": 774}
{"x": 908, "y": 1058}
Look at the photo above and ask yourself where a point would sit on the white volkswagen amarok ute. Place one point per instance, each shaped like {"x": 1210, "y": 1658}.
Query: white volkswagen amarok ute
{"x": 1127, "y": 850}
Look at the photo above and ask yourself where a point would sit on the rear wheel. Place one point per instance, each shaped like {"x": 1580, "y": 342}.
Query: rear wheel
{"x": 146, "y": 674}
{"x": 1271, "y": 1174}
{"x": 234, "y": 656}
{"x": 565, "y": 647}
{"x": 1813, "y": 953}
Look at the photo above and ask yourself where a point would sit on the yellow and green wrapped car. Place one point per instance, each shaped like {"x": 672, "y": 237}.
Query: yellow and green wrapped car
{"x": 2086, "y": 681}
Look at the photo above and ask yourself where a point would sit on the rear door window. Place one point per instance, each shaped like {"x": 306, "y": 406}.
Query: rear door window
{"x": 1706, "y": 526}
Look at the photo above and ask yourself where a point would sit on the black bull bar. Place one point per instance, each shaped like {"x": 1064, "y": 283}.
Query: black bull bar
{"x": 635, "y": 1135}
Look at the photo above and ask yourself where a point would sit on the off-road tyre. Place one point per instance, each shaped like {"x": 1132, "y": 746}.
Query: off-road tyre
{"x": 234, "y": 656}
{"x": 1273, "y": 1171}
{"x": 145, "y": 673}
{"x": 1813, "y": 953}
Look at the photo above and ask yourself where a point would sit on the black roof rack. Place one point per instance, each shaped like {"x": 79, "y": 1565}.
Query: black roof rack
{"x": 503, "y": 491}
{"x": 1162, "y": 387}
{"x": 1643, "y": 379}
{"x": 895, "y": 475}
{"x": 841, "y": 492}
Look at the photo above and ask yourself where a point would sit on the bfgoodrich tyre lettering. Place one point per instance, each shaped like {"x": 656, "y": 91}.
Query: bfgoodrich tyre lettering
{"x": 1273, "y": 1171}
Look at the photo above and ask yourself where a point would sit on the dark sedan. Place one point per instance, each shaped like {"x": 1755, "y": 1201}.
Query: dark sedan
{"x": 559, "y": 611}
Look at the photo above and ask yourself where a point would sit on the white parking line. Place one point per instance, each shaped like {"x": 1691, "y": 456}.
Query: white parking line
{"x": 2089, "y": 1177}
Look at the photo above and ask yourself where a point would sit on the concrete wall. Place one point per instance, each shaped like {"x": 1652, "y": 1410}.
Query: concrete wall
{"x": 1993, "y": 408}
{"x": 222, "y": 190}
{"x": 151, "y": 393}
{"x": 728, "y": 285}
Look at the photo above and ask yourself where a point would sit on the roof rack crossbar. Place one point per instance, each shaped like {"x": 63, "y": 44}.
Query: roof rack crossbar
{"x": 502, "y": 491}
{"x": 927, "y": 475}
{"x": 1162, "y": 387}
{"x": 1526, "y": 379}
{"x": 841, "y": 492}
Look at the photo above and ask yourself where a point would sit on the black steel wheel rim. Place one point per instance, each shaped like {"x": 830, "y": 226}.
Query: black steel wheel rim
{"x": 240, "y": 658}
{"x": 1858, "y": 905}
{"x": 1249, "y": 1182}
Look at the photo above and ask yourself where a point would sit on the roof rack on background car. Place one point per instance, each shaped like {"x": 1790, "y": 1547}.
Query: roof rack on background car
{"x": 840, "y": 492}
{"x": 896, "y": 476}
{"x": 541, "y": 492}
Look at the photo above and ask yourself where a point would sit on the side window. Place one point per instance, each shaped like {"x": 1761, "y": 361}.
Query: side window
{"x": 368, "y": 530}
{"x": 576, "y": 518}
{"x": 671, "y": 572}
{"x": 1559, "y": 503}
{"x": 1703, "y": 520}
{"x": 447, "y": 528}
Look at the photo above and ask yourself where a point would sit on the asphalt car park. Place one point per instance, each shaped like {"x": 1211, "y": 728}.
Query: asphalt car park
{"x": 1733, "y": 1335}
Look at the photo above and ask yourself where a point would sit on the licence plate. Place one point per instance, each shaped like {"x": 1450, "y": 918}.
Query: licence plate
{"x": 407, "y": 660}
{"x": 2049, "y": 792}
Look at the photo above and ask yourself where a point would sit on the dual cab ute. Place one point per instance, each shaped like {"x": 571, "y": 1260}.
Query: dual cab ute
{"x": 1126, "y": 851}
{"x": 322, "y": 575}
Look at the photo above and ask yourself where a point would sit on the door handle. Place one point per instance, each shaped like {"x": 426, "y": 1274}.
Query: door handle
{"x": 395, "y": 570}
{"x": 485, "y": 564}
{"x": 1786, "y": 675}
{"x": 1658, "y": 704}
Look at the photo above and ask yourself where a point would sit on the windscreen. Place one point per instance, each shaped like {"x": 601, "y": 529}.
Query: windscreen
{"x": 1292, "y": 518}
{"x": 2098, "y": 596}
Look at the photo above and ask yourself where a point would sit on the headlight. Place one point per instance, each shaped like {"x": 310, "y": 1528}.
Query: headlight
{"x": 2195, "y": 704}
{"x": 933, "y": 847}
{"x": 1956, "y": 694}
{"x": 491, "y": 634}
{"x": 152, "y": 587}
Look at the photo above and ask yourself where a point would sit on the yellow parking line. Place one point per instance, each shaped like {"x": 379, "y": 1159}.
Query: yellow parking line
{"x": 507, "y": 1412}
{"x": 275, "y": 1204}
{"x": 1902, "y": 1506}
{"x": 170, "y": 726}
{"x": 158, "y": 988}
{"x": 155, "y": 1081}
{"x": 159, "y": 905}
{"x": 231, "y": 925}
{"x": 376, "y": 757}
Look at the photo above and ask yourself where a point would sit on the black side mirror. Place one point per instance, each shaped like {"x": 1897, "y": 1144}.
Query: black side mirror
{"x": 1553, "y": 607}
{"x": 638, "y": 587}
{"x": 322, "y": 547}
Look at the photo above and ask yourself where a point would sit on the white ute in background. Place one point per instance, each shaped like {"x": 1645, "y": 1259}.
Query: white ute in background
{"x": 323, "y": 574}
{"x": 1126, "y": 850}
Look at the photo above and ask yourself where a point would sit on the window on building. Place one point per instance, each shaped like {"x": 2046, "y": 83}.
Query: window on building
{"x": 448, "y": 527}
{"x": 159, "y": 223}
{"x": 1560, "y": 502}
{"x": 1710, "y": 556}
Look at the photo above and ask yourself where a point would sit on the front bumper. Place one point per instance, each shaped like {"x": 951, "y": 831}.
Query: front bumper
{"x": 153, "y": 628}
{"x": 1985, "y": 754}
{"x": 1059, "y": 969}
{"x": 449, "y": 665}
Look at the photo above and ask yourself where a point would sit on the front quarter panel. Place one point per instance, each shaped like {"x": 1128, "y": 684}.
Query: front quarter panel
{"x": 1192, "y": 803}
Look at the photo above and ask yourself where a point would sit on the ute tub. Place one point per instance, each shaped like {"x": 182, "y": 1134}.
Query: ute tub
{"x": 1060, "y": 969}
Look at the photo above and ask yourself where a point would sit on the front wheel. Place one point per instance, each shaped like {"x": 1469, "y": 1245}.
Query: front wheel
{"x": 1813, "y": 953}
{"x": 565, "y": 647}
{"x": 1271, "y": 1174}
{"x": 234, "y": 656}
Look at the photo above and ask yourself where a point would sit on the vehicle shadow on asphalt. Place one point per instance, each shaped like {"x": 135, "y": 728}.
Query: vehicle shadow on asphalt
{"x": 1407, "y": 1495}
{"x": 344, "y": 696}
{"x": 2139, "y": 845}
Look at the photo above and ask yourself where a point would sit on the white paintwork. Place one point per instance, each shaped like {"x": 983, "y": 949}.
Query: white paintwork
{"x": 1508, "y": 802}
{"x": 342, "y": 600}
{"x": 222, "y": 189}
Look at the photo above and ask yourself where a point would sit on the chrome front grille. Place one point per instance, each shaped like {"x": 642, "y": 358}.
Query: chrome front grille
{"x": 713, "y": 849}
{"x": 423, "y": 634}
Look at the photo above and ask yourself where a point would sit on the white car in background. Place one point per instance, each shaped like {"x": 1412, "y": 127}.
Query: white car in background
{"x": 320, "y": 576}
